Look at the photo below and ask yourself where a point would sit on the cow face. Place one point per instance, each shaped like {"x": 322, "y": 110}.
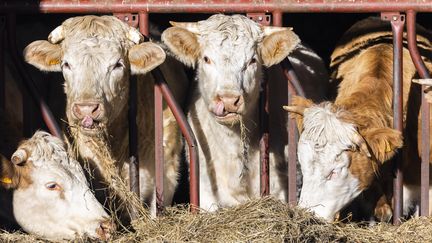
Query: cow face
{"x": 51, "y": 197}
{"x": 96, "y": 56}
{"x": 337, "y": 161}
{"x": 228, "y": 52}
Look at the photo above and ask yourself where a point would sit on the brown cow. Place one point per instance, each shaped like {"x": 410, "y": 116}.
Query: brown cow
{"x": 344, "y": 143}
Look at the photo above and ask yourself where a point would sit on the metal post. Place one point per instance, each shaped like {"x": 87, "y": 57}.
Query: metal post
{"x": 397, "y": 23}
{"x": 425, "y": 116}
{"x": 187, "y": 133}
{"x": 263, "y": 19}
{"x": 28, "y": 82}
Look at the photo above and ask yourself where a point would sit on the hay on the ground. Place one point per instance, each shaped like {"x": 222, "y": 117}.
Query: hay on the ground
{"x": 260, "y": 220}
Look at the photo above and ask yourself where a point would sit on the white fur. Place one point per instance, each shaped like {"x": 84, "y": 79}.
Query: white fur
{"x": 229, "y": 158}
{"x": 328, "y": 184}
{"x": 92, "y": 51}
{"x": 43, "y": 212}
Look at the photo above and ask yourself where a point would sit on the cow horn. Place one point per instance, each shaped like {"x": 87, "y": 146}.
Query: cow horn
{"x": 190, "y": 26}
{"x": 295, "y": 109}
{"x": 135, "y": 36}
{"x": 361, "y": 143}
{"x": 268, "y": 30}
{"x": 19, "y": 156}
{"x": 57, "y": 35}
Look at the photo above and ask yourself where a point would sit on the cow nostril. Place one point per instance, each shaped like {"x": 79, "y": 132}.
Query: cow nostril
{"x": 80, "y": 110}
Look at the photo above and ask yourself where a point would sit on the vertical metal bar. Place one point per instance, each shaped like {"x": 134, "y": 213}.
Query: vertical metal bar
{"x": 187, "y": 133}
{"x": 264, "y": 139}
{"x": 397, "y": 23}
{"x": 425, "y": 116}
{"x": 133, "y": 140}
{"x": 2, "y": 63}
{"x": 292, "y": 128}
{"x": 28, "y": 82}
{"x": 158, "y": 120}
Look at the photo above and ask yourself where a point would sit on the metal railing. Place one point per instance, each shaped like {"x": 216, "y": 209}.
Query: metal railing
{"x": 390, "y": 10}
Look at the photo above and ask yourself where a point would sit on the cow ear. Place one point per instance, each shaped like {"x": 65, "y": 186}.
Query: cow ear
{"x": 7, "y": 174}
{"x": 183, "y": 44}
{"x": 145, "y": 57}
{"x": 44, "y": 55}
{"x": 296, "y": 109}
{"x": 383, "y": 142}
{"x": 277, "y": 45}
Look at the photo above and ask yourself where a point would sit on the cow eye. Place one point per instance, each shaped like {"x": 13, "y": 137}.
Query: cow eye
{"x": 66, "y": 65}
{"x": 252, "y": 61}
{"x": 207, "y": 60}
{"x": 52, "y": 186}
{"x": 118, "y": 65}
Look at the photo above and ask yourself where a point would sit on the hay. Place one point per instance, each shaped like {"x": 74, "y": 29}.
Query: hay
{"x": 259, "y": 220}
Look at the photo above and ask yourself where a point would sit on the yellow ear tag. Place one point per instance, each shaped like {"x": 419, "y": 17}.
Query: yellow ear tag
{"x": 6, "y": 180}
{"x": 388, "y": 148}
{"x": 54, "y": 62}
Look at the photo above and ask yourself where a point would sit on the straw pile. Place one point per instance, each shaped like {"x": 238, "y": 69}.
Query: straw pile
{"x": 260, "y": 220}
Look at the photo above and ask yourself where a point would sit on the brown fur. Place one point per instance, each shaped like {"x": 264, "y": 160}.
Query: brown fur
{"x": 362, "y": 63}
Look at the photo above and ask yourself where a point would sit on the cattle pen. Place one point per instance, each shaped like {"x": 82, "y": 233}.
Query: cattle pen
{"x": 399, "y": 13}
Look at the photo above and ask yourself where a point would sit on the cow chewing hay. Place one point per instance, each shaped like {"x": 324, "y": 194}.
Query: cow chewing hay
{"x": 259, "y": 220}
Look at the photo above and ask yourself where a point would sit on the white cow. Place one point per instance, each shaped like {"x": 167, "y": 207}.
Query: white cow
{"x": 97, "y": 55}
{"x": 51, "y": 197}
{"x": 229, "y": 53}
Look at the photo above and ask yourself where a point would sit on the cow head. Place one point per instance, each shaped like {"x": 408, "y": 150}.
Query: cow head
{"x": 228, "y": 52}
{"x": 96, "y": 56}
{"x": 51, "y": 197}
{"x": 338, "y": 160}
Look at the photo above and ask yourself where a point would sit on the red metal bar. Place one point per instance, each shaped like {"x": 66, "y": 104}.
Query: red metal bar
{"x": 2, "y": 63}
{"x": 292, "y": 151}
{"x": 425, "y": 110}
{"x": 292, "y": 128}
{"x": 397, "y": 23}
{"x": 292, "y": 77}
{"x": 263, "y": 19}
{"x": 28, "y": 82}
{"x": 187, "y": 133}
{"x": 213, "y": 6}
{"x": 134, "y": 183}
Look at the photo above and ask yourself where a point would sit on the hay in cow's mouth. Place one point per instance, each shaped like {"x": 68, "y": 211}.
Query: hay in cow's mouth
{"x": 230, "y": 117}
{"x": 261, "y": 220}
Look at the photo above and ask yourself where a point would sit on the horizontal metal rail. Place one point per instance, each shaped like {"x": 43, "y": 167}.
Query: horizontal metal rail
{"x": 214, "y": 6}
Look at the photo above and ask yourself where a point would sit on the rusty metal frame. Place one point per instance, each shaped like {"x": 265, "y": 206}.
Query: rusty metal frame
{"x": 425, "y": 110}
{"x": 214, "y": 6}
{"x": 243, "y": 6}
{"x": 397, "y": 24}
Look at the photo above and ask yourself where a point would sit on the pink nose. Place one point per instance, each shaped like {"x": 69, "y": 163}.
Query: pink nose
{"x": 231, "y": 103}
{"x": 106, "y": 229}
{"x": 93, "y": 110}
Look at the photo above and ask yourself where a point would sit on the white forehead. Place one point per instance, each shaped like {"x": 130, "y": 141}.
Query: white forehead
{"x": 236, "y": 30}
{"x": 48, "y": 155}
{"x": 323, "y": 126}
{"x": 104, "y": 27}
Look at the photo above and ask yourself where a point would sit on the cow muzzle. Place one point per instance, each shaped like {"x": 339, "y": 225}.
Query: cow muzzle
{"x": 228, "y": 108}
{"x": 105, "y": 230}
{"x": 89, "y": 114}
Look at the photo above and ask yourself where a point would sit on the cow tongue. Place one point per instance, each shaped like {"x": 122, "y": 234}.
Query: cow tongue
{"x": 219, "y": 109}
{"x": 87, "y": 122}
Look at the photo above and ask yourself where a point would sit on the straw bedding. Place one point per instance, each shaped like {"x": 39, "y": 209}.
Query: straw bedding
{"x": 259, "y": 220}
